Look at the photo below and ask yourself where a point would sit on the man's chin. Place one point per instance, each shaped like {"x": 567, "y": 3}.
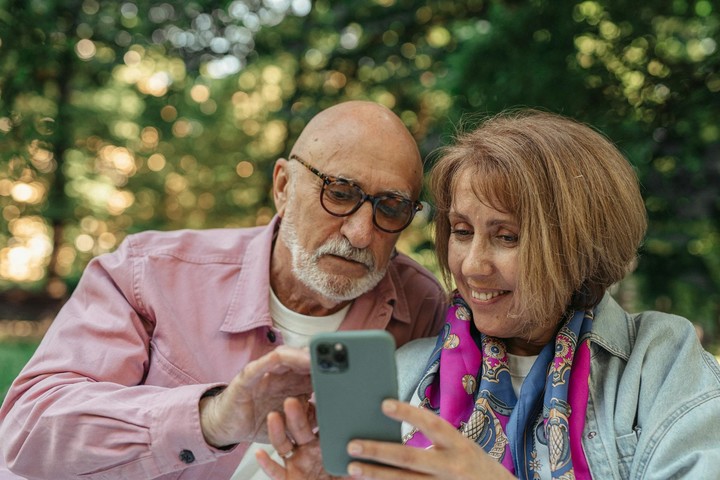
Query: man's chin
{"x": 340, "y": 288}
{"x": 343, "y": 290}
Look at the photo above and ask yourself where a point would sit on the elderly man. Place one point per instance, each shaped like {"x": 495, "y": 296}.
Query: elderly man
{"x": 172, "y": 350}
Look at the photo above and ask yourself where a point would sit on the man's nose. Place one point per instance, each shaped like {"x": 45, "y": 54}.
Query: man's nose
{"x": 358, "y": 227}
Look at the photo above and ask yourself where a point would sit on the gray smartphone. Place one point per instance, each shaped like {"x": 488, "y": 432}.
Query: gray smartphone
{"x": 352, "y": 373}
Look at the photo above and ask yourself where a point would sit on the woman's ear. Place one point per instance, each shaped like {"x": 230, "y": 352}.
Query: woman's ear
{"x": 281, "y": 184}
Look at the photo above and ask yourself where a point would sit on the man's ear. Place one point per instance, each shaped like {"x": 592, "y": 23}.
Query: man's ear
{"x": 281, "y": 184}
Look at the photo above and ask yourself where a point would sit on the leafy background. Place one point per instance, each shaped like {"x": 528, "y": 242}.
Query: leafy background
{"x": 122, "y": 116}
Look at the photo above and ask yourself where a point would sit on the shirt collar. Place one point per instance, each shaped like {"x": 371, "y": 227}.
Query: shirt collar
{"x": 250, "y": 304}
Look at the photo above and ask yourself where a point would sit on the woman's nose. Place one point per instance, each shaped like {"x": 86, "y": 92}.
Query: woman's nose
{"x": 478, "y": 261}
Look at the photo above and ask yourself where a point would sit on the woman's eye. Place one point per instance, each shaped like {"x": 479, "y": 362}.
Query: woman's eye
{"x": 508, "y": 238}
{"x": 460, "y": 232}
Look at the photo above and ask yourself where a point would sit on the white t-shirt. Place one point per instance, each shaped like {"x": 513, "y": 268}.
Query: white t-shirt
{"x": 296, "y": 330}
{"x": 519, "y": 368}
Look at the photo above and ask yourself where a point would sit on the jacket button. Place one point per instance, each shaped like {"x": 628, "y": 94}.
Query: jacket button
{"x": 186, "y": 456}
{"x": 591, "y": 435}
{"x": 271, "y": 336}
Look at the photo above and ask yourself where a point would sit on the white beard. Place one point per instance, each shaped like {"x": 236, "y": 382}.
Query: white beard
{"x": 337, "y": 288}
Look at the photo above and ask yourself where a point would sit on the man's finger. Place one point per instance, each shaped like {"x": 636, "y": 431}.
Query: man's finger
{"x": 281, "y": 360}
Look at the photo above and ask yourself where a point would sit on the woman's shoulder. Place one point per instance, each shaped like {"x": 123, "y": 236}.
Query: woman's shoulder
{"x": 412, "y": 359}
{"x": 622, "y": 332}
{"x": 653, "y": 342}
{"x": 418, "y": 349}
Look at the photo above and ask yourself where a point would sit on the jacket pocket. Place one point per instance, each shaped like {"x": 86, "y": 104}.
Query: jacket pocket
{"x": 626, "y": 446}
{"x": 162, "y": 372}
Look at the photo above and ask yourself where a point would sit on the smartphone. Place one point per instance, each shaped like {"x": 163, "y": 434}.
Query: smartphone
{"x": 352, "y": 373}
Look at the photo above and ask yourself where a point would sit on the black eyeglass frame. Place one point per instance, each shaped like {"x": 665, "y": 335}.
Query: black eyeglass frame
{"x": 374, "y": 199}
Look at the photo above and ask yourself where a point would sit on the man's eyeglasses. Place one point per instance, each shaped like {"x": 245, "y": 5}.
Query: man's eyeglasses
{"x": 339, "y": 197}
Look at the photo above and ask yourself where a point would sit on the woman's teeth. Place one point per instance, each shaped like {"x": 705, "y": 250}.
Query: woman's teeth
{"x": 485, "y": 296}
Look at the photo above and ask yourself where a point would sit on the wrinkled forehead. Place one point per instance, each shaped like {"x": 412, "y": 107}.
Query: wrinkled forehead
{"x": 373, "y": 171}
{"x": 363, "y": 142}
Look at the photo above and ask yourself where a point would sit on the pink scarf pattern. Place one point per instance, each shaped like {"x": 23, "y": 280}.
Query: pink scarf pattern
{"x": 470, "y": 387}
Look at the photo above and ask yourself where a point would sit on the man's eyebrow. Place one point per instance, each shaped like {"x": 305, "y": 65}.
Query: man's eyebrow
{"x": 404, "y": 194}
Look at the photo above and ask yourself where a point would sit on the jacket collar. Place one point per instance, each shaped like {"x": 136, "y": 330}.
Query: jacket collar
{"x": 612, "y": 328}
{"x": 375, "y": 308}
{"x": 250, "y": 304}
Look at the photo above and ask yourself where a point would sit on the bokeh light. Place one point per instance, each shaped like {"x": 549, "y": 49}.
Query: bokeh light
{"x": 27, "y": 253}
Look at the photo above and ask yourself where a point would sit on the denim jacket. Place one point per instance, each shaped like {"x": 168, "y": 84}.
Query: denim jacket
{"x": 654, "y": 404}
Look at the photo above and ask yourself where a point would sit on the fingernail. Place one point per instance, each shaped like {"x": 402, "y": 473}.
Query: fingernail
{"x": 354, "y": 448}
{"x": 389, "y": 406}
{"x": 354, "y": 470}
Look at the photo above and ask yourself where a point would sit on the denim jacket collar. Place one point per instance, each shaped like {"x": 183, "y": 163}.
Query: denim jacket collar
{"x": 605, "y": 332}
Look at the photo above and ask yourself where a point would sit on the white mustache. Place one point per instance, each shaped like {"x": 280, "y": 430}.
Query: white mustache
{"x": 341, "y": 247}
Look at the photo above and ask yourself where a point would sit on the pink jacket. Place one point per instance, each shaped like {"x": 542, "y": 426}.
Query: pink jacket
{"x": 113, "y": 389}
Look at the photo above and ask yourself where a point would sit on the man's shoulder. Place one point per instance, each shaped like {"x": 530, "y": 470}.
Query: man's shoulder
{"x": 409, "y": 269}
{"x": 215, "y": 244}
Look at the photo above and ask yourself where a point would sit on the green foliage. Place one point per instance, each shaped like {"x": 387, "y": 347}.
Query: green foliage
{"x": 645, "y": 76}
{"x": 13, "y": 357}
{"x": 120, "y": 116}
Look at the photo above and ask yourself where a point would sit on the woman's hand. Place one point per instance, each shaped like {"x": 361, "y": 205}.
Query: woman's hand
{"x": 294, "y": 440}
{"x": 452, "y": 457}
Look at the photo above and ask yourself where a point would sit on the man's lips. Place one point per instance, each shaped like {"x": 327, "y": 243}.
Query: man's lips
{"x": 349, "y": 260}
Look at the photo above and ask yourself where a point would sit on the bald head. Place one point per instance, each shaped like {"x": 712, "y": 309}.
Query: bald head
{"x": 361, "y": 131}
{"x": 325, "y": 256}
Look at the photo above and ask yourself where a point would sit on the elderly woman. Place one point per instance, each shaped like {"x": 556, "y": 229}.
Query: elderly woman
{"x": 538, "y": 372}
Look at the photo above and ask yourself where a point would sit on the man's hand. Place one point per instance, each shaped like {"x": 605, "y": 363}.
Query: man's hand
{"x": 238, "y": 413}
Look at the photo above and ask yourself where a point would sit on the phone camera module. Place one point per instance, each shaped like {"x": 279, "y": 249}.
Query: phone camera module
{"x": 340, "y": 357}
{"x": 332, "y": 358}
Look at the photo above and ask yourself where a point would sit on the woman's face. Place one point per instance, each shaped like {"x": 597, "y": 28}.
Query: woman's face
{"x": 483, "y": 256}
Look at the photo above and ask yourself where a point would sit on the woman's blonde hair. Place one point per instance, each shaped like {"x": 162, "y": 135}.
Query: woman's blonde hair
{"x": 576, "y": 198}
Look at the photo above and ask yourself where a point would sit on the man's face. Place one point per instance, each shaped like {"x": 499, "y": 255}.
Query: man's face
{"x": 339, "y": 258}
{"x": 321, "y": 260}
{"x": 334, "y": 285}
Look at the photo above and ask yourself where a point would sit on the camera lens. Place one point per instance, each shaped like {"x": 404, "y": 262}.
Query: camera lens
{"x": 340, "y": 356}
{"x": 323, "y": 349}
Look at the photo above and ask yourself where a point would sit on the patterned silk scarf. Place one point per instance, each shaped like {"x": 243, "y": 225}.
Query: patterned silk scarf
{"x": 471, "y": 388}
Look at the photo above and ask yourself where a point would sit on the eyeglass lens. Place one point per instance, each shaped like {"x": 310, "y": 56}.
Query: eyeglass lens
{"x": 391, "y": 213}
